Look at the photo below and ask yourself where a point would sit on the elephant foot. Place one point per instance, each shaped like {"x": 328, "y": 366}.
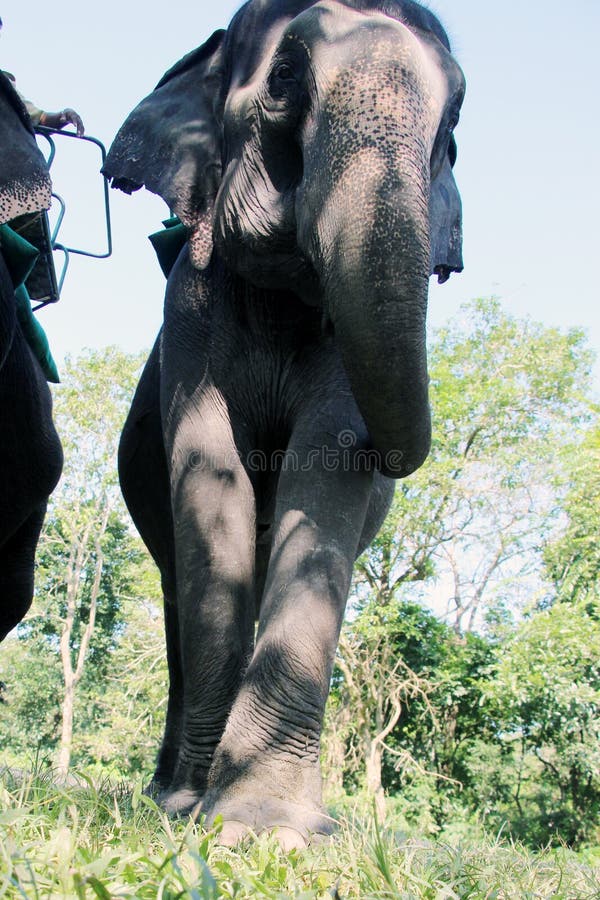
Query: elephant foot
{"x": 233, "y": 833}
{"x": 181, "y": 803}
{"x": 293, "y": 825}
{"x": 154, "y": 789}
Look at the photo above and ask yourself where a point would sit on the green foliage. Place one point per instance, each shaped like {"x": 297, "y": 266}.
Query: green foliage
{"x": 455, "y": 721}
{"x": 507, "y": 730}
{"x": 90, "y": 407}
{"x": 573, "y": 560}
{"x": 29, "y": 711}
{"x": 121, "y": 555}
{"x": 129, "y": 712}
{"x": 546, "y": 695}
{"x": 497, "y": 379}
{"x": 430, "y": 746}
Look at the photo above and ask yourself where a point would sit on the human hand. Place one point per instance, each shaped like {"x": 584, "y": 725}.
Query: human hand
{"x": 60, "y": 119}
{"x": 70, "y": 117}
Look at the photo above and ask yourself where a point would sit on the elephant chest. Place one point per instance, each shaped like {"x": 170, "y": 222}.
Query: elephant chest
{"x": 251, "y": 370}
{"x": 271, "y": 362}
{"x": 264, "y": 352}
{"x": 258, "y": 369}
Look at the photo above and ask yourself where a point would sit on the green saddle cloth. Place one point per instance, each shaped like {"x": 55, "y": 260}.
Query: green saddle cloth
{"x": 168, "y": 242}
{"x": 20, "y": 257}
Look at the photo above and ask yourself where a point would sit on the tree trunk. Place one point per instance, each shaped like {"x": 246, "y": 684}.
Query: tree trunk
{"x": 72, "y": 675}
{"x": 334, "y": 749}
{"x": 374, "y": 761}
{"x": 334, "y": 764}
{"x": 66, "y": 736}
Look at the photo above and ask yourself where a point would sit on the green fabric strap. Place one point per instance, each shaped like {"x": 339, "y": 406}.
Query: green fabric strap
{"x": 35, "y": 335}
{"x": 20, "y": 257}
{"x": 168, "y": 242}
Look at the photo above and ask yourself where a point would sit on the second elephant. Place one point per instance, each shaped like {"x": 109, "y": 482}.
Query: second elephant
{"x": 309, "y": 151}
{"x": 30, "y": 450}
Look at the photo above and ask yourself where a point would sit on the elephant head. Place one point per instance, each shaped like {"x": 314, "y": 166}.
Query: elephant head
{"x": 25, "y": 185}
{"x": 317, "y": 157}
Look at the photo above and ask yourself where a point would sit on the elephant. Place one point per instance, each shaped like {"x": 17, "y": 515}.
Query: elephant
{"x": 30, "y": 450}
{"x": 308, "y": 153}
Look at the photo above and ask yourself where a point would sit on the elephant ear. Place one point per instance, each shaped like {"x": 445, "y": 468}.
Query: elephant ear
{"x": 445, "y": 217}
{"x": 25, "y": 185}
{"x": 171, "y": 143}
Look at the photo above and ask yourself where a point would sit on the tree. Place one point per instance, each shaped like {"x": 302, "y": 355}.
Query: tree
{"x": 546, "y": 692}
{"x": 546, "y": 685}
{"x": 377, "y": 687}
{"x": 30, "y": 714}
{"x": 448, "y": 732}
{"x": 573, "y": 559}
{"x": 407, "y": 704}
{"x": 129, "y": 712}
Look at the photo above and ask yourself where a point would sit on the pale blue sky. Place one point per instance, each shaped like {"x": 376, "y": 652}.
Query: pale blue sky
{"x": 527, "y": 168}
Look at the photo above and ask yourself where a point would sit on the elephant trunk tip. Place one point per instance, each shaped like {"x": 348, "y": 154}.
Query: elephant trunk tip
{"x": 401, "y": 458}
{"x": 444, "y": 272}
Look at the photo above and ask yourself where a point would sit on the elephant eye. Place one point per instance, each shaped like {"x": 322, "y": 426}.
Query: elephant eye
{"x": 283, "y": 72}
{"x": 282, "y": 80}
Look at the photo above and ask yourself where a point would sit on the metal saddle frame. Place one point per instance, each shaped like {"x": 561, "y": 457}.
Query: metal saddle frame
{"x": 43, "y": 285}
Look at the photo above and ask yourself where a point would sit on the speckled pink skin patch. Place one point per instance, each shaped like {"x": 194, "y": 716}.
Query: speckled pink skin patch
{"x": 24, "y": 196}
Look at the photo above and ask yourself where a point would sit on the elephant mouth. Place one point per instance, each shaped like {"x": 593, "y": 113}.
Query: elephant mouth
{"x": 279, "y": 269}
{"x": 264, "y": 249}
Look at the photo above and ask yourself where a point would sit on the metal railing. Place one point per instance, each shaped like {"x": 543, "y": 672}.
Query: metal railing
{"x": 52, "y": 235}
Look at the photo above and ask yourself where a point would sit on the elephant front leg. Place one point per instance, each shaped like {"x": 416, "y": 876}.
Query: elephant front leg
{"x": 171, "y": 742}
{"x": 266, "y": 769}
{"x": 214, "y": 521}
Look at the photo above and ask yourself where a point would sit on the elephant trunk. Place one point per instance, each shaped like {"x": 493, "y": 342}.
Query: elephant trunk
{"x": 374, "y": 254}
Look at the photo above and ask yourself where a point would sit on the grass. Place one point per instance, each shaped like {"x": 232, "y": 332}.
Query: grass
{"x": 90, "y": 841}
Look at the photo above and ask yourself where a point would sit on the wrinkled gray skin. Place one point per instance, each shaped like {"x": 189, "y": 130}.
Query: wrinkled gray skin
{"x": 309, "y": 150}
{"x": 30, "y": 451}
